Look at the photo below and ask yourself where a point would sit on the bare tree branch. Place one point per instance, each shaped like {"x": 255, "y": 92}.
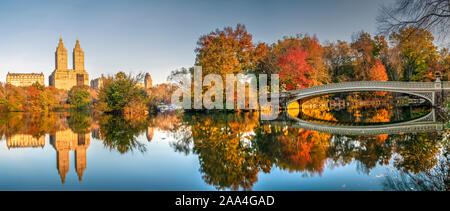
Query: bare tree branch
{"x": 432, "y": 15}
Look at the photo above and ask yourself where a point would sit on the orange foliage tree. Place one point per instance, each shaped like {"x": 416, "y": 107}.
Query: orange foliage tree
{"x": 228, "y": 51}
{"x": 378, "y": 72}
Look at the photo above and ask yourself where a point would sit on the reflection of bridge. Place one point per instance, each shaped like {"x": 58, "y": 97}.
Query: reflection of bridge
{"x": 432, "y": 91}
{"x": 426, "y": 123}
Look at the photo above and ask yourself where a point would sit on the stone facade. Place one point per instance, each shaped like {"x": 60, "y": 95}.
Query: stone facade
{"x": 147, "y": 84}
{"x": 25, "y": 79}
{"x": 64, "y": 78}
{"x": 97, "y": 83}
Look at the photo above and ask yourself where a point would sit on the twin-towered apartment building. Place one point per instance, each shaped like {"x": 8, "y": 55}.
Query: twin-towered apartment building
{"x": 63, "y": 77}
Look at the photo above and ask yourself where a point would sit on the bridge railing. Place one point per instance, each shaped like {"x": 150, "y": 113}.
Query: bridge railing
{"x": 446, "y": 84}
{"x": 416, "y": 86}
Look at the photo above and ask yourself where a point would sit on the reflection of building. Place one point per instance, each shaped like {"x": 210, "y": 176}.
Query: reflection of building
{"x": 64, "y": 78}
{"x": 66, "y": 141}
{"x": 24, "y": 79}
{"x": 24, "y": 140}
{"x": 96, "y": 133}
{"x": 149, "y": 134}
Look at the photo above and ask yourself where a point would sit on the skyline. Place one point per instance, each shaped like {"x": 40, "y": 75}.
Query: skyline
{"x": 158, "y": 37}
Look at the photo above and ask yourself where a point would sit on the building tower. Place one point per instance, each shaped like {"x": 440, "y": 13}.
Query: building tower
{"x": 78, "y": 57}
{"x": 148, "y": 81}
{"x": 64, "y": 78}
{"x": 61, "y": 56}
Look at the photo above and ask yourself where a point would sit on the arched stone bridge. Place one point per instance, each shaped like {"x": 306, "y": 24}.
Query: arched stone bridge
{"x": 426, "y": 123}
{"x": 432, "y": 91}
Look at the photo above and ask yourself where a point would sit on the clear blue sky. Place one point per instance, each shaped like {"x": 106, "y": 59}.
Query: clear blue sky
{"x": 159, "y": 36}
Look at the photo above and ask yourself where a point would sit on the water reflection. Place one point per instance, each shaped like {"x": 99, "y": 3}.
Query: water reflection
{"x": 65, "y": 141}
{"x": 233, "y": 149}
{"x": 119, "y": 133}
{"x": 362, "y": 108}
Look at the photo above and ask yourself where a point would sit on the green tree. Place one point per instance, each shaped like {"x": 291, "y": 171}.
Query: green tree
{"x": 121, "y": 93}
{"x": 79, "y": 97}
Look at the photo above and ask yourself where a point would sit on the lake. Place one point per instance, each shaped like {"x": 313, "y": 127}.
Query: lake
{"x": 228, "y": 151}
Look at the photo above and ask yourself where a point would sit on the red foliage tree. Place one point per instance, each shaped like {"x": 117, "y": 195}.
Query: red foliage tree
{"x": 33, "y": 103}
{"x": 295, "y": 71}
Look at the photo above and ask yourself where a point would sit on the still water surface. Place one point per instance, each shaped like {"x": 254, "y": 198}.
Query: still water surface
{"x": 185, "y": 151}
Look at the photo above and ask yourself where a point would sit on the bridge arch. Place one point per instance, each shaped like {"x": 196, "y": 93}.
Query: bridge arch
{"x": 424, "y": 90}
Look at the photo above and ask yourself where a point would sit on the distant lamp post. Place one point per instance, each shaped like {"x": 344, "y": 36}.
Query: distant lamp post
{"x": 438, "y": 76}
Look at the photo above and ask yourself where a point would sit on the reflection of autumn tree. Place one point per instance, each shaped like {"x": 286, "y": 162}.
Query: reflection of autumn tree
{"x": 367, "y": 150}
{"x": 226, "y": 156}
{"x": 172, "y": 123}
{"x": 317, "y": 108}
{"x": 120, "y": 133}
{"x": 435, "y": 179}
{"x": 369, "y": 107}
{"x": 381, "y": 115}
{"x": 168, "y": 121}
{"x": 234, "y": 148}
{"x": 417, "y": 152}
{"x": 35, "y": 124}
{"x": 293, "y": 149}
{"x": 414, "y": 152}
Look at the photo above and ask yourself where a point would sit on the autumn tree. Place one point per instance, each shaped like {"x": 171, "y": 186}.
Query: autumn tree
{"x": 368, "y": 51}
{"x": 32, "y": 103}
{"x": 377, "y": 72}
{"x": 417, "y": 52}
{"x": 339, "y": 58}
{"x": 3, "y": 99}
{"x": 160, "y": 93}
{"x": 47, "y": 100}
{"x": 228, "y": 51}
{"x": 284, "y": 50}
{"x": 295, "y": 72}
{"x": 443, "y": 64}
